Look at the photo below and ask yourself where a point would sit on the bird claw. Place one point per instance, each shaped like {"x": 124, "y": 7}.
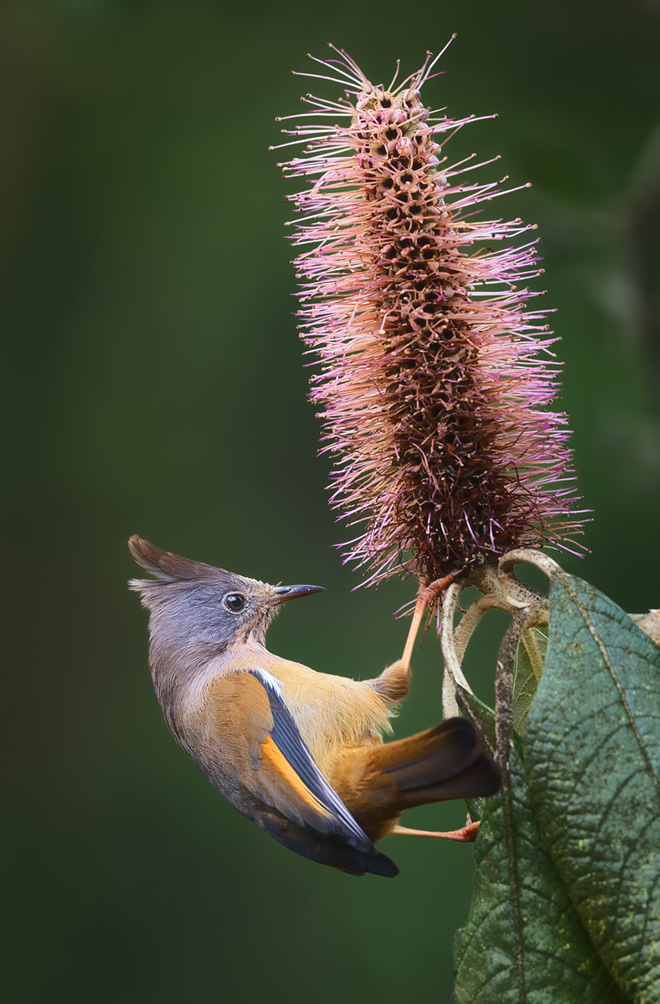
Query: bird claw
{"x": 466, "y": 835}
{"x": 431, "y": 591}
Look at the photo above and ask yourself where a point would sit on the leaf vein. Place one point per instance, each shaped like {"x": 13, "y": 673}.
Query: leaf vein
{"x": 568, "y": 585}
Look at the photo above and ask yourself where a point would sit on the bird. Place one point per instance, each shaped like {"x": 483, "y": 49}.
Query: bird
{"x": 298, "y": 752}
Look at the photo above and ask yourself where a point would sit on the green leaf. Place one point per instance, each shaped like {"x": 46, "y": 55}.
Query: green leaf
{"x": 593, "y": 768}
{"x": 523, "y": 941}
{"x": 527, "y": 670}
{"x": 567, "y": 901}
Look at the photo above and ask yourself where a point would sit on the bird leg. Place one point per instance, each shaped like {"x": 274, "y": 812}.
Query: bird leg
{"x": 466, "y": 835}
{"x": 425, "y": 596}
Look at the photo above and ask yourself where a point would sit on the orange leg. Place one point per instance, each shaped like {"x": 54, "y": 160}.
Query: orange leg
{"x": 425, "y": 596}
{"x": 466, "y": 835}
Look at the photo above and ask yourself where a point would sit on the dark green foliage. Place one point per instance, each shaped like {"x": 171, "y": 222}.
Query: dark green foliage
{"x": 593, "y": 768}
{"x": 566, "y": 904}
{"x": 524, "y": 940}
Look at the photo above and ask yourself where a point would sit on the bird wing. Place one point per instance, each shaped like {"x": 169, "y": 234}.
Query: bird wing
{"x": 272, "y": 759}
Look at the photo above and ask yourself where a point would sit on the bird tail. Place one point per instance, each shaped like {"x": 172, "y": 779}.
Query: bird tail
{"x": 378, "y": 783}
{"x": 442, "y": 763}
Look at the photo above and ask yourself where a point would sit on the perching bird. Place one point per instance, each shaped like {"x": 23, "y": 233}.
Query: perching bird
{"x": 298, "y": 752}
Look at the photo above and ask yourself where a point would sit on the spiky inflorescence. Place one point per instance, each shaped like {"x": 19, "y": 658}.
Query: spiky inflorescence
{"x": 434, "y": 377}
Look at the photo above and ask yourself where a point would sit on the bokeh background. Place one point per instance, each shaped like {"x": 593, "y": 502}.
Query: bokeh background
{"x": 155, "y": 384}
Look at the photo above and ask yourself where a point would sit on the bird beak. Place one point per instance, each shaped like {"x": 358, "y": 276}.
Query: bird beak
{"x": 284, "y": 593}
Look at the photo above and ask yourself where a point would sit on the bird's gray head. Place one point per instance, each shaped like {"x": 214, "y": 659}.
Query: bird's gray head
{"x": 192, "y": 604}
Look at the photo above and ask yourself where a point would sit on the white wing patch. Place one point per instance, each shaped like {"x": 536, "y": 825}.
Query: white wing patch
{"x": 269, "y": 680}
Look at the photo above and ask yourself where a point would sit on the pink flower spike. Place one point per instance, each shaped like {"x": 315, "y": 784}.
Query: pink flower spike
{"x": 434, "y": 376}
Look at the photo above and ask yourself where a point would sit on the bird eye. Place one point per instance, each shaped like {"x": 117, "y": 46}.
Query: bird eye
{"x": 234, "y": 602}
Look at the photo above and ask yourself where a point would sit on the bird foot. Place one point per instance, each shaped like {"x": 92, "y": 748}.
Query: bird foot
{"x": 466, "y": 835}
{"x": 431, "y": 592}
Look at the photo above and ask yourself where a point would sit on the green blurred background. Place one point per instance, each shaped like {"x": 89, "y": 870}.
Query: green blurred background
{"x": 155, "y": 384}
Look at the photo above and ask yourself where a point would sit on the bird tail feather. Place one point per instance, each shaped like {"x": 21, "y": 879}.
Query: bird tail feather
{"x": 378, "y": 783}
{"x": 442, "y": 763}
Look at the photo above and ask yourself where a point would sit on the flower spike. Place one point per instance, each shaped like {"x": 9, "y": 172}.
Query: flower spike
{"x": 435, "y": 378}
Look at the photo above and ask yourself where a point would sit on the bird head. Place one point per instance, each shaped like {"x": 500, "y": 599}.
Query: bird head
{"x": 190, "y": 602}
